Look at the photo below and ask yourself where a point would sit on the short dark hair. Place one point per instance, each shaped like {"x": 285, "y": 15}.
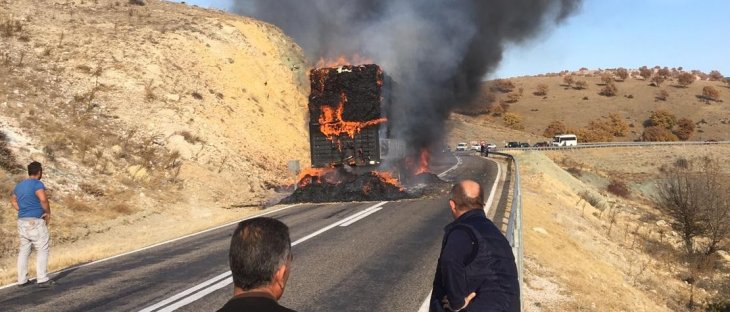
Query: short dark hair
{"x": 34, "y": 168}
{"x": 463, "y": 202}
{"x": 259, "y": 246}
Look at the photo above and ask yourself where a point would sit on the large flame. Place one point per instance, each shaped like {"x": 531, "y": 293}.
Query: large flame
{"x": 317, "y": 175}
{"x": 332, "y": 124}
{"x": 420, "y": 165}
{"x": 387, "y": 177}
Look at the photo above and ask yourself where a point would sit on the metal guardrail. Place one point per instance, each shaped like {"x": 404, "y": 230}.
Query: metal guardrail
{"x": 514, "y": 225}
{"x": 611, "y": 144}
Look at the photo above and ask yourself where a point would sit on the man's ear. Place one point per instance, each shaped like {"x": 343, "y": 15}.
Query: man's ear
{"x": 452, "y": 204}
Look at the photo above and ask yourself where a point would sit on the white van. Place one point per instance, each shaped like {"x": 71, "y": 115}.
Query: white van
{"x": 565, "y": 140}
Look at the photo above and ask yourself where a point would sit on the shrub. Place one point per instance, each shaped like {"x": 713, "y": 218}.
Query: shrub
{"x": 190, "y": 138}
{"x": 91, "y": 189}
{"x": 609, "y": 89}
{"x": 580, "y": 85}
{"x": 513, "y": 98}
{"x": 657, "y": 80}
{"x": 555, "y": 128}
{"x": 503, "y": 85}
{"x": 664, "y": 72}
{"x": 542, "y": 90}
{"x": 716, "y": 76}
{"x": 662, "y": 119}
{"x": 568, "y": 80}
{"x": 513, "y": 121}
{"x": 658, "y": 134}
{"x": 645, "y": 72}
{"x": 618, "y": 188}
{"x": 622, "y": 73}
{"x": 617, "y": 125}
{"x": 497, "y": 109}
{"x": 7, "y": 158}
{"x": 709, "y": 93}
{"x": 685, "y": 79}
{"x": 685, "y": 129}
{"x": 607, "y": 78}
{"x": 661, "y": 95}
{"x": 594, "y": 134}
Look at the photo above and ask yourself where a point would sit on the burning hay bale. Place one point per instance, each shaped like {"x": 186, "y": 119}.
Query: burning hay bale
{"x": 338, "y": 185}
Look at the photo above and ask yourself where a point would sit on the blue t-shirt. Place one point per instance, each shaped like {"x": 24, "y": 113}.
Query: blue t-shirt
{"x": 28, "y": 201}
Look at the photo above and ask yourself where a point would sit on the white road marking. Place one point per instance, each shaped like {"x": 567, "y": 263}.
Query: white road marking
{"x": 203, "y": 289}
{"x": 361, "y": 217}
{"x": 458, "y": 162}
{"x": 160, "y": 244}
{"x": 426, "y": 304}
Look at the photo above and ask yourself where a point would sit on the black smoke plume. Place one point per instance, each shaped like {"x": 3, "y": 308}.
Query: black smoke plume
{"x": 437, "y": 51}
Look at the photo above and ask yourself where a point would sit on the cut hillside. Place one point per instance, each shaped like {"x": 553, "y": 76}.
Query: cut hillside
{"x": 587, "y": 249}
{"x": 634, "y": 102}
{"x": 151, "y": 121}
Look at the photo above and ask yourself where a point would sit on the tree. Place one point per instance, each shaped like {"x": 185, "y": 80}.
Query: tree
{"x": 664, "y": 72}
{"x": 645, "y": 72}
{"x": 622, "y": 73}
{"x": 657, "y": 80}
{"x": 617, "y": 125}
{"x": 694, "y": 196}
{"x": 686, "y": 79}
{"x": 555, "y": 128}
{"x": 709, "y": 93}
{"x": 580, "y": 85}
{"x": 513, "y": 121}
{"x": 542, "y": 90}
{"x": 716, "y": 76}
{"x": 685, "y": 129}
{"x": 609, "y": 89}
{"x": 662, "y": 119}
{"x": 568, "y": 80}
{"x": 661, "y": 95}
{"x": 658, "y": 134}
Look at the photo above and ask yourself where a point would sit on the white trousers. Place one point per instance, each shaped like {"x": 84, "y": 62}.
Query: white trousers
{"x": 33, "y": 231}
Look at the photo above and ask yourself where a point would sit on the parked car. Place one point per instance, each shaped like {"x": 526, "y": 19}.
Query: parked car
{"x": 491, "y": 146}
{"x": 523, "y": 144}
{"x": 541, "y": 144}
{"x": 462, "y": 146}
{"x": 512, "y": 144}
{"x": 476, "y": 147}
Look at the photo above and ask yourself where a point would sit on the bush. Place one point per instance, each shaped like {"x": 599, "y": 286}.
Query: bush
{"x": 616, "y": 125}
{"x": 555, "y": 128}
{"x": 503, "y": 85}
{"x": 645, "y": 72}
{"x": 618, "y": 188}
{"x": 658, "y": 134}
{"x": 662, "y": 95}
{"x": 568, "y": 80}
{"x": 513, "y": 121}
{"x": 7, "y": 158}
{"x": 609, "y": 89}
{"x": 542, "y": 90}
{"x": 594, "y": 134}
{"x": 716, "y": 76}
{"x": 606, "y": 78}
{"x": 513, "y": 97}
{"x": 657, "y": 81}
{"x": 622, "y": 73}
{"x": 662, "y": 119}
{"x": 685, "y": 79}
{"x": 685, "y": 129}
{"x": 580, "y": 85}
{"x": 709, "y": 93}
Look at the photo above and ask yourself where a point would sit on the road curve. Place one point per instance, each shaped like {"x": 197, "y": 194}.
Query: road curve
{"x": 348, "y": 257}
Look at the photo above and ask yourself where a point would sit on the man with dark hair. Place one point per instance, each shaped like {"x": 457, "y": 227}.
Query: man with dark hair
{"x": 476, "y": 270}
{"x": 34, "y": 214}
{"x": 260, "y": 257}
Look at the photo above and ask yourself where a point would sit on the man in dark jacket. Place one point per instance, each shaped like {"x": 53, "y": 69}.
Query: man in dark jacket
{"x": 476, "y": 270}
{"x": 260, "y": 257}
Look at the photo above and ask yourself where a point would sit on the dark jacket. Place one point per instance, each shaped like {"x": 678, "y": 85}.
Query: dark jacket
{"x": 253, "y": 302}
{"x": 476, "y": 257}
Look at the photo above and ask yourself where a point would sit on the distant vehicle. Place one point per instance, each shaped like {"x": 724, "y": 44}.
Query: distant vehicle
{"x": 512, "y": 144}
{"x": 476, "y": 147}
{"x": 462, "y": 146}
{"x": 523, "y": 144}
{"x": 541, "y": 144}
{"x": 565, "y": 140}
{"x": 491, "y": 146}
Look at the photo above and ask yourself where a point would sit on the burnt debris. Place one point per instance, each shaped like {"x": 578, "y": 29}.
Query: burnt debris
{"x": 342, "y": 186}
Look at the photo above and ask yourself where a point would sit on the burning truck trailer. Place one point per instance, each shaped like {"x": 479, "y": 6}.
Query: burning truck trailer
{"x": 350, "y": 137}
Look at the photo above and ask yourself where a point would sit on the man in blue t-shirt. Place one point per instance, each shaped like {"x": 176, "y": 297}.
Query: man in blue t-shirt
{"x": 34, "y": 213}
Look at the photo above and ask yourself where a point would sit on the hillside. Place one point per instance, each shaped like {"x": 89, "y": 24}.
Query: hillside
{"x": 151, "y": 121}
{"x": 634, "y": 102}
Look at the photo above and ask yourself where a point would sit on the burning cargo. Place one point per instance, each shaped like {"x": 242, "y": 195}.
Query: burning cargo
{"x": 348, "y": 115}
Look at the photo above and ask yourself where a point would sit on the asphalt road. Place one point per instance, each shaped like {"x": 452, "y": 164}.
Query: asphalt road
{"x": 375, "y": 256}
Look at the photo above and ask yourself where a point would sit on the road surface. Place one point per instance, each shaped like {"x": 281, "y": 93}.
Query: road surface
{"x": 374, "y": 256}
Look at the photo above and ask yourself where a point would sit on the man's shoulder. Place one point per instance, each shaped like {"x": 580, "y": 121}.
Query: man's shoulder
{"x": 253, "y": 304}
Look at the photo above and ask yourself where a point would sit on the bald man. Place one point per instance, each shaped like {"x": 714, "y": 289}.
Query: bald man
{"x": 476, "y": 269}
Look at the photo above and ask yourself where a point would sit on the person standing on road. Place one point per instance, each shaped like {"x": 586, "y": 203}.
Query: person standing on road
{"x": 260, "y": 257}
{"x": 34, "y": 214}
{"x": 476, "y": 269}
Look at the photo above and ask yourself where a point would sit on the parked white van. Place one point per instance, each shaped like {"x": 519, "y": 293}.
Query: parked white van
{"x": 565, "y": 140}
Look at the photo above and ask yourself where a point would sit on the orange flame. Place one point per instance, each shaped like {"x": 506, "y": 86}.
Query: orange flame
{"x": 332, "y": 125}
{"x": 343, "y": 60}
{"x": 421, "y": 165}
{"x": 387, "y": 177}
{"x": 312, "y": 175}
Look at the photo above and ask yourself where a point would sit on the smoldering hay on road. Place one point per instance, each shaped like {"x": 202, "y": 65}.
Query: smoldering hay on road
{"x": 438, "y": 51}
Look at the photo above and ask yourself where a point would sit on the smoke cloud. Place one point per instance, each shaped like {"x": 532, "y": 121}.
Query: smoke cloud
{"x": 437, "y": 51}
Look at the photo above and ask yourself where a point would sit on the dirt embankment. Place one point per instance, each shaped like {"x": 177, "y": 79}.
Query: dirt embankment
{"x": 151, "y": 121}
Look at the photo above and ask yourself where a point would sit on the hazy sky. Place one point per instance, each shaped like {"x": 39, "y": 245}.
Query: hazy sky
{"x": 620, "y": 33}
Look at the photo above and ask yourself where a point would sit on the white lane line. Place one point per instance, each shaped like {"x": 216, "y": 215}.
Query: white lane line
{"x": 160, "y": 244}
{"x": 458, "y": 162}
{"x": 361, "y": 217}
{"x": 487, "y": 206}
{"x": 198, "y": 293}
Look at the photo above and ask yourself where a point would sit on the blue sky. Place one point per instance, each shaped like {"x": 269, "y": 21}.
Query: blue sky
{"x": 620, "y": 33}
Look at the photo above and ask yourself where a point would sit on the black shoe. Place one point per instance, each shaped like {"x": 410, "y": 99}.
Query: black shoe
{"x": 47, "y": 284}
{"x": 27, "y": 283}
